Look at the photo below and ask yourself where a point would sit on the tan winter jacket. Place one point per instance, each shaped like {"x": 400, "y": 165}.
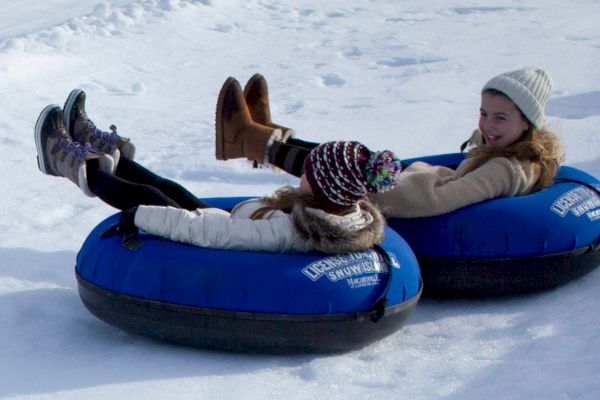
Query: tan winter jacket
{"x": 426, "y": 190}
{"x": 304, "y": 229}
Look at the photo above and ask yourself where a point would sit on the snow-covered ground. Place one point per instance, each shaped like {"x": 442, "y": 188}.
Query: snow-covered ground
{"x": 401, "y": 75}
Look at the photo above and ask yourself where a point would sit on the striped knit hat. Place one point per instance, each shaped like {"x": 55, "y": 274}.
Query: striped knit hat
{"x": 529, "y": 88}
{"x": 342, "y": 173}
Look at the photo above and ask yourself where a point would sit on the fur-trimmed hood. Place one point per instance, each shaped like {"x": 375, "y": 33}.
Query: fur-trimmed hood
{"x": 329, "y": 233}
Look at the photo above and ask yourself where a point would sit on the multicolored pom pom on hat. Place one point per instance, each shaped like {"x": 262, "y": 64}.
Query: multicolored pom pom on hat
{"x": 382, "y": 171}
{"x": 342, "y": 173}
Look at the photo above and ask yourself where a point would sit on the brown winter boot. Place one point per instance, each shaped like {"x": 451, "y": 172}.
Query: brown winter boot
{"x": 256, "y": 93}
{"x": 59, "y": 155}
{"x": 236, "y": 135}
{"x": 83, "y": 130}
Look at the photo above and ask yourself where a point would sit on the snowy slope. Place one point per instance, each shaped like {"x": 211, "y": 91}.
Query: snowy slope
{"x": 401, "y": 75}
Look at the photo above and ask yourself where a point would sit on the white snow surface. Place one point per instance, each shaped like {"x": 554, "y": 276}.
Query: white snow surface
{"x": 399, "y": 75}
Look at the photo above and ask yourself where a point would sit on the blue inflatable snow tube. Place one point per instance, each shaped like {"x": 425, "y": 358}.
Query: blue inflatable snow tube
{"x": 248, "y": 301}
{"x": 509, "y": 245}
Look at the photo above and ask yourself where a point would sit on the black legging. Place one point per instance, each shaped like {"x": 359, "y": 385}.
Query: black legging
{"x": 290, "y": 156}
{"x": 132, "y": 185}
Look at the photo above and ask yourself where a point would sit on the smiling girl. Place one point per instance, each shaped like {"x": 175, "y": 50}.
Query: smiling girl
{"x": 510, "y": 154}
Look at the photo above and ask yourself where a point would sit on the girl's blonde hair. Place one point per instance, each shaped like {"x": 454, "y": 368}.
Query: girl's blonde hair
{"x": 284, "y": 199}
{"x": 540, "y": 146}
{"x": 537, "y": 145}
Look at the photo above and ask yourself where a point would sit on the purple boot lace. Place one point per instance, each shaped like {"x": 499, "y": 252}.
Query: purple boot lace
{"x": 77, "y": 149}
{"x": 109, "y": 138}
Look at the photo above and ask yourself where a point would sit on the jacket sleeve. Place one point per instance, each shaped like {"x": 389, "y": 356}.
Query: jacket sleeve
{"x": 430, "y": 191}
{"x": 215, "y": 228}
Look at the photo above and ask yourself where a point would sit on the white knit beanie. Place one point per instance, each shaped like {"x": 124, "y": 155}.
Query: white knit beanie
{"x": 529, "y": 88}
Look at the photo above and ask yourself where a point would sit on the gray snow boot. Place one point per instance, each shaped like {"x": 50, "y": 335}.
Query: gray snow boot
{"x": 83, "y": 130}
{"x": 59, "y": 155}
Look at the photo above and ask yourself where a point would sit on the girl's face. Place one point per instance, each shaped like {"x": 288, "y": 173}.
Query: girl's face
{"x": 500, "y": 120}
{"x": 304, "y": 185}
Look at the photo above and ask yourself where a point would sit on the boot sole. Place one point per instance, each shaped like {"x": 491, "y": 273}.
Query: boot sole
{"x": 40, "y": 143}
{"x": 68, "y": 108}
{"x": 219, "y": 135}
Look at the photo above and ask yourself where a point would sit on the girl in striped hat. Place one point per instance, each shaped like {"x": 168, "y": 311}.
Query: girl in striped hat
{"x": 329, "y": 211}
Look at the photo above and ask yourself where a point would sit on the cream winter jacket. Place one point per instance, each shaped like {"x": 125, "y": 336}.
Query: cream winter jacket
{"x": 426, "y": 190}
{"x": 303, "y": 230}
